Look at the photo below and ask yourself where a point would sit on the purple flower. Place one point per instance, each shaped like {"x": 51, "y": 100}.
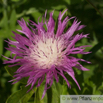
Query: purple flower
{"x": 43, "y": 54}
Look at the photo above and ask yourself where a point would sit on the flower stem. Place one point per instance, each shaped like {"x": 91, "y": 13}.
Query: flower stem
{"x": 95, "y": 8}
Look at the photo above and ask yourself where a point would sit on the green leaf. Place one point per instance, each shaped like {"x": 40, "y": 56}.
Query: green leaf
{"x": 58, "y": 7}
{"x": 38, "y": 95}
{"x": 61, "y": 87}
{"x": 27, "y": 96}
{"x": 65, "y": 87}
{"x": 55, "y": 96}
{"x": 101, "y": 88}
{"x": 68, "y": 2}
{"x": 7, "y": 54}
{"x": 90, "y": 73}
{"x": 13, "y": 19}
{"x": 21, "y": 96}
{"x": 4, "y": 21}
{"x": 3, "y": 33}
{"x": 51, "y": 96}
{"x": 1, "y": 46}
{"x": 94, "y": 50}
{"x": 12, "y": 70}
{"x": 15, "y": 87}
{"x": 58, "y": 87}
{"x": 15, "y": 0}
{"x": 21, "y": 14}
{"x": 31, "y": 10}
{"x": 36, "y": 15}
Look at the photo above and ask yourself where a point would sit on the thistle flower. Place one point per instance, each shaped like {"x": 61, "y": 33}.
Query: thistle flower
{"x": 42, "y": 53}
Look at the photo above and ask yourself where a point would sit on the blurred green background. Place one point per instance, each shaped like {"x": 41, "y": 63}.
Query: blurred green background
{"x": 91, "y": 82}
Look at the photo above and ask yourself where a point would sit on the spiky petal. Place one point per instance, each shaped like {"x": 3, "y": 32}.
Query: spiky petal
{"x": 42, "y": 52}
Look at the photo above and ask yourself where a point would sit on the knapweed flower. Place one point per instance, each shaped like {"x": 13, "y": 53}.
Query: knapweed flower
{"x": 45, "y": 55}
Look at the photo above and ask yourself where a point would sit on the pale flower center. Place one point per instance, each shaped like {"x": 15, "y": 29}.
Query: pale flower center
{"x": 48, "y": 52}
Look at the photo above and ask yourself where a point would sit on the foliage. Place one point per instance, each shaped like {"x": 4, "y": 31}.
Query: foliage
{"x": 91, "y": 82}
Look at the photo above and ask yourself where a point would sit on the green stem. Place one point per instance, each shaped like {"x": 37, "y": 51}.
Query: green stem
{"x": 95, "y": 8}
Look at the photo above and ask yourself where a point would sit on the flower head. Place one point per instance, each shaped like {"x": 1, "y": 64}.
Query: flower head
{"x": 42, "y": 53}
